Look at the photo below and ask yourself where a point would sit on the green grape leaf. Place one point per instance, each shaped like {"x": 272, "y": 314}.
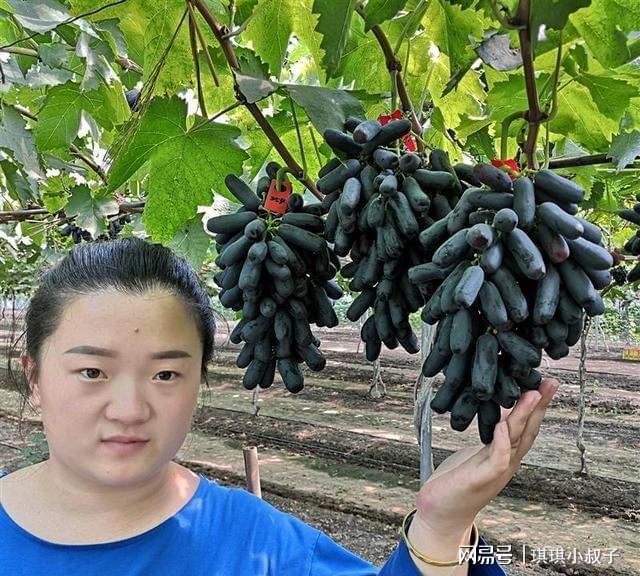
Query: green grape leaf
{"x": 91, "y": 208}
{"x": 191, "y": 242}
{"x": 333, "y": 24}
{"x": 15, "y": 137}
{"x": 269, "y": 31}
{"x": 59, "y": 117}
{"x": 97, "y": 56}
{"x": 255, "y": 89}
{"x": 456, "y": 32}
{"x": 453, "y": 105}
{"x": 114, "y": 109}
{"x": 11, "y": 74}
{"x": 17, "y": 184}
{"x": 184, "y": 172}
{"x": 497, "y": 52}
{"x": 186, "y": 165}
{"x": 52, "y": 54}
{"x": 250, "y": 64}
{"x": 133, "y": 22}
{"x": 379, "y": 11}
{"x": 55, "y": 191}
{"x": 483, "y": 142}
{"x": 604, "y": 28}
{"x": 579, "y": 118}
{"x": 177, "y": 65}
{"x": 362, "y": 61}
{"x": 39, "y": 15}
{"x": 611, "y": 95}
{"x": 555, "y": 13}
{"x": 163, "y": 121}
{"x": 113, "y": 35}
{"x": 326, "y": 107}
{"x": 510, "y": 96}
{"x": 42, "y": 76}
{"x": 244, "y": 9}
{"x": 625, "y": 148}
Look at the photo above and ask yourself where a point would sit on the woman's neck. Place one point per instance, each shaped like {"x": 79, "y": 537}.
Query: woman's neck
{"x": 63, "y": 490}
{"x": 61, "y": 508}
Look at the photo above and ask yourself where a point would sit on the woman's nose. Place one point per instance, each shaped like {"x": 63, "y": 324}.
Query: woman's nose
{"x": 127, "y": 402}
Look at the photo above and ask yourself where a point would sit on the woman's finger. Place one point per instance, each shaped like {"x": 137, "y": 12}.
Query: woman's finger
{"x": 500, "y": 455}
{"x": 490, "y": 469}
{"x": 517, "y": 420}
{"x": 500, "y": 459}
{"x": 548, "y": 388}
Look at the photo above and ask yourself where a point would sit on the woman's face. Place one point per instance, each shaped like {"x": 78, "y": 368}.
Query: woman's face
{"x": 119, "y": 364}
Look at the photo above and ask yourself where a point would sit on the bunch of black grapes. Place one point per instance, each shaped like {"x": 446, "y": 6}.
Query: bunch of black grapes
{"x": 633, "y": 244}
{"x": 512, "y": 272}
{"x": 378, "y": 201}
{"x": 277, "y": 270}
{"x": 78, "y": 234}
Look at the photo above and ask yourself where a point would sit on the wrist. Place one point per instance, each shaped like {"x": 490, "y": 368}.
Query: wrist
{"x": 440, "y": 544}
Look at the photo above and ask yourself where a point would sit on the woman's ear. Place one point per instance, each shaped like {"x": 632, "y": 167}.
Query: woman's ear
{"x": 34, "y": 388}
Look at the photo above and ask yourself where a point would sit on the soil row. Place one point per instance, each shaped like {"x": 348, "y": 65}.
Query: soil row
{"x": 592, "y": 494}
{"x": 603, "y": 397}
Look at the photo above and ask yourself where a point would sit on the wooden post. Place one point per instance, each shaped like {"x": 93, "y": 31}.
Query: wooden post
{"x": 252, "y": 470}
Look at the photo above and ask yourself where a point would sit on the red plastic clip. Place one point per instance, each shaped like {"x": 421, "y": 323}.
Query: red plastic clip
{"x": 408, "y": 140}
{"x": 276, "y": 200}
{"x": 512, "y": 167}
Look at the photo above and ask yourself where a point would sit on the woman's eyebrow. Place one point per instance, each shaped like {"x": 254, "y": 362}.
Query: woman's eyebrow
{"x": 97, "y": 351}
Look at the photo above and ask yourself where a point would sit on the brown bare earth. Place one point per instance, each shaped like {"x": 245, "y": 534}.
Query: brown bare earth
{"x": 348, "y": 463}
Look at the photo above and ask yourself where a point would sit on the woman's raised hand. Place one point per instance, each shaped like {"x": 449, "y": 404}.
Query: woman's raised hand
{"x": 470, "y": 478}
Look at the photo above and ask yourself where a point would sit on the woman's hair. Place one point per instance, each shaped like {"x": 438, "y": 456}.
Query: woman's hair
{"x": 127, "y": 265}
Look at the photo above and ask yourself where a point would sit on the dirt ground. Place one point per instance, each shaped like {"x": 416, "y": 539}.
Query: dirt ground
{"x": 348, "y": 463}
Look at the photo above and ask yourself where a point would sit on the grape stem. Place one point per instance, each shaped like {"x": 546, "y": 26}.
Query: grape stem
{"x": 203, "y": 44}
{"x": 193, "y": 41}
{"x": 220, "y": 32}
{"x": 395, "y": 67}
{"x": 281, "y": 176}
{"x": 534, "y": 116}
{"x": 504, "y": 134}
{"x": 578, "y": 161}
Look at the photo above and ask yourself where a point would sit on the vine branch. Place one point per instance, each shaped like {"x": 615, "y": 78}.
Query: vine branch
{"x": 220, "y": 32}
{"x": 578, "y": 161}
{"x": 395, "y": 67}
{"x": 21, "y": 215}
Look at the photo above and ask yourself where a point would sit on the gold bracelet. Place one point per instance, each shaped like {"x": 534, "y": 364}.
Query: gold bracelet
{"x": 475, "y": 536}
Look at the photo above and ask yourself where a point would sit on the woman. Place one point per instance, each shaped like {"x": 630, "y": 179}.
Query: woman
{"x": 118, "y": 338}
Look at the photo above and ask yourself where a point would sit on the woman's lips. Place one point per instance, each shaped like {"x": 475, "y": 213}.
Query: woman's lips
{"x": 125, "y": 447}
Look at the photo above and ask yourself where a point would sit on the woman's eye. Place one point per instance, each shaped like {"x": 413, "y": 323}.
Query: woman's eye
{"x": 91, "y": 373}
{"x": 166, "y": 373}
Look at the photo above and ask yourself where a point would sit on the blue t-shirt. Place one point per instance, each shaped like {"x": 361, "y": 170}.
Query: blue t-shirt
{"x": 220, "y": 532}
